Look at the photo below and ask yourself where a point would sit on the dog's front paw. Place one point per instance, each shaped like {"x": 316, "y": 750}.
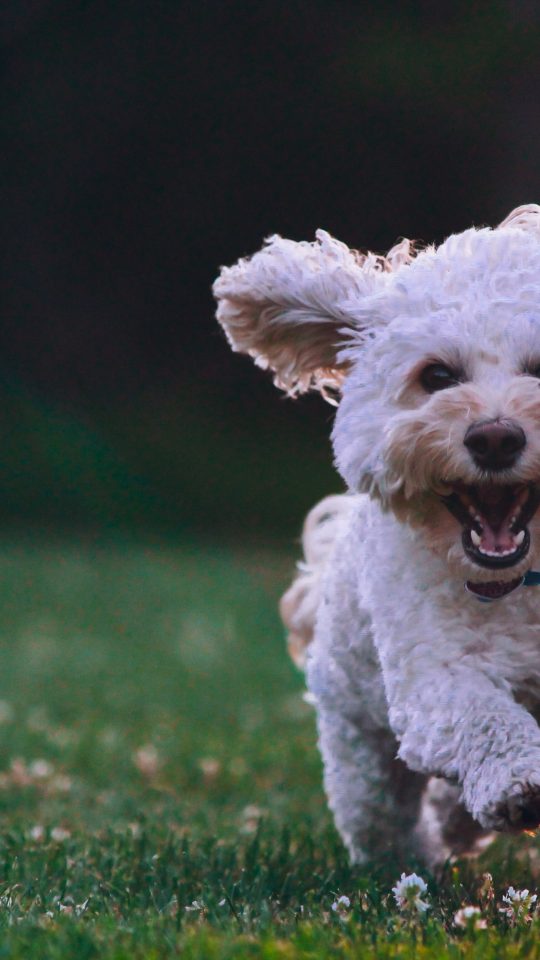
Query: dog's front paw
{"x": 518, "y": 810}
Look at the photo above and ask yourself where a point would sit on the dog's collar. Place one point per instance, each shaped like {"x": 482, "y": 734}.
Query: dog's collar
{"x": 531, "y": 579}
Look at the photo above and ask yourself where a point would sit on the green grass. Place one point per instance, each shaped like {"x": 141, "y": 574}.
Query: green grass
{"x": 155, "y": 751}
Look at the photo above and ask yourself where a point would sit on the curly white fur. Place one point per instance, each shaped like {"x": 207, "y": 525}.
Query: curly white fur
{"x": 413, "y": 678}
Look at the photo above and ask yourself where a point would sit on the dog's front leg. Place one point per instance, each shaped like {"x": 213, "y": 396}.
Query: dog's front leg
{"x": 457, "y": 722}
{"x": 375, "y": 799}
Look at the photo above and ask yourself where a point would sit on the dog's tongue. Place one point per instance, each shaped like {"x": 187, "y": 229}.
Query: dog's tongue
{"x": 497, "y": 513}
{"x": 496, "y": 539}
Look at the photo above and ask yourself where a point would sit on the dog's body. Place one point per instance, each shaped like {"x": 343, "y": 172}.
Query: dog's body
{"x": 426, "y": 697}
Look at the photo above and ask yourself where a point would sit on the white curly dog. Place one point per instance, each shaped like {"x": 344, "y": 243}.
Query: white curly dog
{"x": 419, "y": 598}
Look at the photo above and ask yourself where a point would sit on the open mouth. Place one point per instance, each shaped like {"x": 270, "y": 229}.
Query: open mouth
{"x": 494, "y": 519}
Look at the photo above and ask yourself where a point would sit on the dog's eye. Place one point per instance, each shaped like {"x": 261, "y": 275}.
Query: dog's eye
{"x": 438, "y": 377}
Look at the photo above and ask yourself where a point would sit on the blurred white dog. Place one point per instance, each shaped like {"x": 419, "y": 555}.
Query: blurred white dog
{"x": 419, "y": 597}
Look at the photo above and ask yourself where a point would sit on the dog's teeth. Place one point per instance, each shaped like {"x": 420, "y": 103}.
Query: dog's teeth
{"x": 497, "y": 553}
{"x": 476, "y": 538}
{"x": 476, "y": 516}
{"x": 519, "y": 538}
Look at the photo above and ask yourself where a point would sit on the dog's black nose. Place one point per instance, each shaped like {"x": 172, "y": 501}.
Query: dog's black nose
{"x": 495, "y": 444}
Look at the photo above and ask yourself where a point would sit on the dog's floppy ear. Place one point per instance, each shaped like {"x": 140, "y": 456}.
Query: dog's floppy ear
{"x": 526, "y": 217}
{"x": 294, "y": 306}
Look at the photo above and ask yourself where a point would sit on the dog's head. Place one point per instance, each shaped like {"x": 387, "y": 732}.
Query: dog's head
{"x": 437, "y": 360}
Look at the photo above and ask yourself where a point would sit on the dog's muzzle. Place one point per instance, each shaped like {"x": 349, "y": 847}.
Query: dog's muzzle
{"x": 495, "y": 535}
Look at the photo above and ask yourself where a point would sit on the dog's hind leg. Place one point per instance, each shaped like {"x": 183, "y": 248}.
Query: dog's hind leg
{"x": 445, "y": 828}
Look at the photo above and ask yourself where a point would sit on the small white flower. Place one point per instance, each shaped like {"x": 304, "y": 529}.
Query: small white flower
{"x": 195, "y": 906}
{"x": 470, "y": 918}
{"x": 81, "y": 908}
{"x": 341, "y": 905}
{"x": 519, "y": 904}
{"x": 70, "y": 908}
{"x": 518, "y": 897}
{"x": 251, "y": 816}
{"x": 37, "y": 833}
{"x": 210, "y": 767}
{"x": 40, "y": 769}
{"x": 408, "y": 891}
{"x": 59, "y": 834}
{"x": 147, "y": 761}
{"x": 222, "y": 902}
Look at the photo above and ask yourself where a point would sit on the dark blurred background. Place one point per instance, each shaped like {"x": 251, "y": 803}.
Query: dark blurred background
{"x": 148, "y": 143}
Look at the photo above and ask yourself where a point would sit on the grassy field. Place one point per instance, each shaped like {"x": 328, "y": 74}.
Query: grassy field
{"x": 160, "y": 790}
